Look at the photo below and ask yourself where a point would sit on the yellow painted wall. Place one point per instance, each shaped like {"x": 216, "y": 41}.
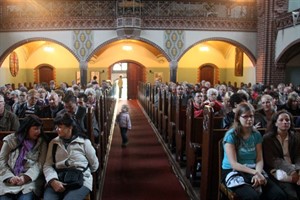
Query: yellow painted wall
{"x": 248, "y": 72}
{"x": 151, "y": 76}
{"x": 24, "y": 75}
{"x": 189, "y": 64}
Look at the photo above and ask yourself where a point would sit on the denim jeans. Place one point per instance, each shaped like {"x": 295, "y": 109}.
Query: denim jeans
{"x": 124, "y": 135}
{"x": 19, "y": 196}
{"x": 78, "y": 194}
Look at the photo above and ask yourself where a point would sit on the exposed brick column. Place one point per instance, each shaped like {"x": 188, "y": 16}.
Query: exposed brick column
{"x": 278, "y": 69}
{"x": 266, "y": 71}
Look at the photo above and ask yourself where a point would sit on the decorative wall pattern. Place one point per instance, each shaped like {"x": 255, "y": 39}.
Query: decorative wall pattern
{"x": 91, "y": 14}
{"x": 83, "y": 43}
{"x": 174, "y": 43}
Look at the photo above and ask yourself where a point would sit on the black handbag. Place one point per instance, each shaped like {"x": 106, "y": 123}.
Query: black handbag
{"x": 73, "y": 178}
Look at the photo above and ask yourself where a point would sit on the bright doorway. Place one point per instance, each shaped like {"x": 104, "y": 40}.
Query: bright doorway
{"x": 117, "y": 70}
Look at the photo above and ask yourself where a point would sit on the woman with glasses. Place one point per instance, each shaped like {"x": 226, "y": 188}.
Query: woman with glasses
{"x": 242, "y": 165}
{"x": 71, "y": 149}
{"x": 281, "y": 147}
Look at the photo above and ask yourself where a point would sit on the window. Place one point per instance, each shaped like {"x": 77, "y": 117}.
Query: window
{"x": 120, "y": 67}
{"x": 294, "y": 5}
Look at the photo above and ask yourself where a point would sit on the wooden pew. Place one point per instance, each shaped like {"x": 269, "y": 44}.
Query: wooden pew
{"x": 102, "y": 140}
{"x": 152, "y": 107}
{"x": 164, "y": 131}
{"x": 97, "y": 146}
{"x": 160, "y": 113}
{"x": 142, "y": 96}
{"x": 180, "y": 123}
{"x": 193, "y": 141}
{"x": 171, "y": 122}
{"x": 147, "y": 98}
{"x": 209, "y": 170}
{"x": 194, "y": 134}
{"x": 155, "y": 106}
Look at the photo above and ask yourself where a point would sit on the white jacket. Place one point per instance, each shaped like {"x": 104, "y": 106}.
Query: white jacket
{"x": 33, "y": 166}
{"x": 79, "y": 153}
{"x": 123, "y": 119}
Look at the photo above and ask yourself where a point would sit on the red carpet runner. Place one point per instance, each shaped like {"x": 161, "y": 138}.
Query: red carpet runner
{"x": 141, "y": 171}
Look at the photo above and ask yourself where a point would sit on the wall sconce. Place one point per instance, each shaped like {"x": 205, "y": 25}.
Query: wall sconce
{"x": 151, "y": 72}
{"x": 101, "y": 72}
{"x": 295, "y": 17}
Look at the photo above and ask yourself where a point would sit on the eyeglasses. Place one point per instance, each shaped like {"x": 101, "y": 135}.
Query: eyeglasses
{"x": 247, "y": 116}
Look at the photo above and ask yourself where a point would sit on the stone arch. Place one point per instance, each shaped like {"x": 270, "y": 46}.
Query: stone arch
{"x": 22, "y": 42}
{"x": 287, "y": 54}
{"x": 138, "y": 39}
{"x": 235, "y": 43}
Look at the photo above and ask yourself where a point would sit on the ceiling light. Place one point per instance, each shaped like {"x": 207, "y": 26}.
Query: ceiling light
{"x": 48, "y": 48}
{"x": 127, "y": 48}
{"x": 204, "y": 48}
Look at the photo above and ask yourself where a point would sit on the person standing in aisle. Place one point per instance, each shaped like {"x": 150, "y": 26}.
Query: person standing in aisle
{"x": 120, "y": 84}
{"x": 124, "y": 122}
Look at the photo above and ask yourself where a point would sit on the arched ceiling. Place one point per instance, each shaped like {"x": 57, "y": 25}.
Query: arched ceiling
{"x": 131, "y": 43}
{"x": 30, "y": 47}
{"x": 222, "y": 47}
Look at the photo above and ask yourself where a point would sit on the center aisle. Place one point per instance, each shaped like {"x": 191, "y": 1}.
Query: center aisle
{"x": 140, "y": 171}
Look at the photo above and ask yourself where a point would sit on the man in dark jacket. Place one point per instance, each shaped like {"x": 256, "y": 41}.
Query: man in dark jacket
{"x": 31, "y": 106}
{"x": 79, "y": 115}
{"x": 51, "y": 110}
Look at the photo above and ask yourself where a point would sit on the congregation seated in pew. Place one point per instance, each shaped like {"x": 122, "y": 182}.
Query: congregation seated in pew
{"x": 21, "y": 159}
{"x": 31, "y": 105}
{"x": 198, "y": 104}
{"x": 212, "y": 101}
{"x": 216, "y": 134}
{"x": 243, "y": 159}
{"x": 263, "y": 115}
{"x": 281, "y": 148}
{"x": 8, "y": 120}
{"x": 82, "y": 157}
{"x": 234, "y": 100}
{"x": 54, "y": 106}
{"x": 79, "y": 113}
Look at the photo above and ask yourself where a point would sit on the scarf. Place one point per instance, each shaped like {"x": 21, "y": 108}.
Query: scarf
{"x": 27, "y": 145}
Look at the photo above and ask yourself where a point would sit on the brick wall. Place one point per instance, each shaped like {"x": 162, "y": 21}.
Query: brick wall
{"x": 266, "y": 70}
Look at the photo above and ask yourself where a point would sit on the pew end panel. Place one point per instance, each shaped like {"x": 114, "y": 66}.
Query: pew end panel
{"x": 224, "y": 193}
{"x": 210, "y": 162}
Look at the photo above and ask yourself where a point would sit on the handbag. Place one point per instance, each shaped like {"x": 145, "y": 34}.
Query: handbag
{"x": 281, "y": 175}
{"x": 71, "y": 177}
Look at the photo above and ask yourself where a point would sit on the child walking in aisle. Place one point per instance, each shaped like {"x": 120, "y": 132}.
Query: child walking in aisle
{"x": 123, "y": 120}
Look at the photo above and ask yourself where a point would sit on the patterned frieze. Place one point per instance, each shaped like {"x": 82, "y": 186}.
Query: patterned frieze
{"x": 63, "y": 14}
